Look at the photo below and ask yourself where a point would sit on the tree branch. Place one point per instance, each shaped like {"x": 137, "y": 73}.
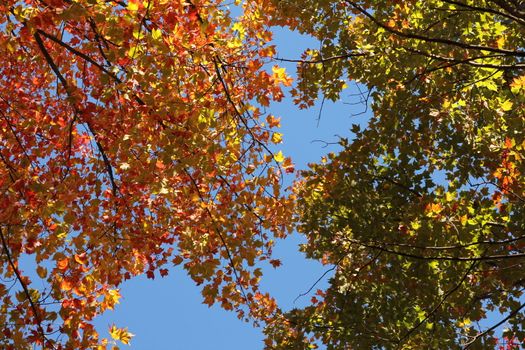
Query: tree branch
{"x": 410, "y": 35}
{"x": 32, "y": 304}
{"x": 375, "y": 245}
{"x": 322, "y": 60}
{"x": 63, "y": 81}
{"x": 438, "y": 305}
{"x": 484, "y": 333}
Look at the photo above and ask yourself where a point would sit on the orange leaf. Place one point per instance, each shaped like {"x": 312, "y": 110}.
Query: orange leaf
{"x": 273, "y": 121}
{"x": 80, "y": 258}
{"x": 62, "y": 264}
{"x": 66, "y": 285}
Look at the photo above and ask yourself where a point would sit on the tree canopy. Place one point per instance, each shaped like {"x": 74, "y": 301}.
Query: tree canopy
{"x": 134, "y": 136}
{"x": 131, "y": 139}
{"x": 422, "y": 212}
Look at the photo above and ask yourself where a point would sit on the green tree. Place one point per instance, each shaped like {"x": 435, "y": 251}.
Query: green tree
{"x": 422, "y": 211}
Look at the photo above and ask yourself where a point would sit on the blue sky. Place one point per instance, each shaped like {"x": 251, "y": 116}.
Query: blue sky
{"x": 168, "y": 313}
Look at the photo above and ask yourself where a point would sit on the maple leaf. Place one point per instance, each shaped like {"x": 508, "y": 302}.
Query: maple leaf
{"x": 280, "y": 76}
{"x": 273, "y": 121}
{"x": 120, "y": 334}
{"x": 518, "y": 84}
{"x": 279, "y": 157}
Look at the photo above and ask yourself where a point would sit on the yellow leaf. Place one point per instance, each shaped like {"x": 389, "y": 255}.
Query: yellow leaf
{"x": 279, "y": 75}
{"x": 111, "y": 298}
{"x": 120, "y": 334}
{"x": 234, "y": 43}
{"x": 277, "y": 137}
{"x": 156, "y": 33}
{"x": 133, "y": 6}
{"x": 517, "y": 84}
{"x": 239, "y": 28}
{"x": 506, "y": 106}
{"x": 500, "y": 42}
{"x": 279, "y": 157}
{"x": 138, "y": 33}
{"x": 133, "y": 51}
{"x": 464, "y": 323}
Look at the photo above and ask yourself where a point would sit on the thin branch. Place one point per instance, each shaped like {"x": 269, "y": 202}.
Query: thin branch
{"x": 484, "y": 333}
{"x": 361, "y": 268}
{"x": 12, "y": 171}
{"x": 221, "y": 237}
{"x": 322, "y": 276}
{"x": 34, "y": 308}
{"x": 438, "y": 305}
{"x": 321, "y": 110}
{"x": 322, "y": 60}
{"x": 18, "y": 141}
{"x": 410, "y": 35}
{"x": 469, "y": 61}
{"x": 64, "y": 83}
{"x": 488, "y": 10}
{"x": 374, "y": 245}
{"x": 399, "y": 184}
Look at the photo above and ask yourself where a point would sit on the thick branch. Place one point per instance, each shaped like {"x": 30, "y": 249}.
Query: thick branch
{"x": 79, "y": 54}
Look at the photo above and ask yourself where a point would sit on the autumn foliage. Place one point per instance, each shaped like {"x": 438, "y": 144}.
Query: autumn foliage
{"x": 132, "y": 140}
{"x": 134, "y": 136}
